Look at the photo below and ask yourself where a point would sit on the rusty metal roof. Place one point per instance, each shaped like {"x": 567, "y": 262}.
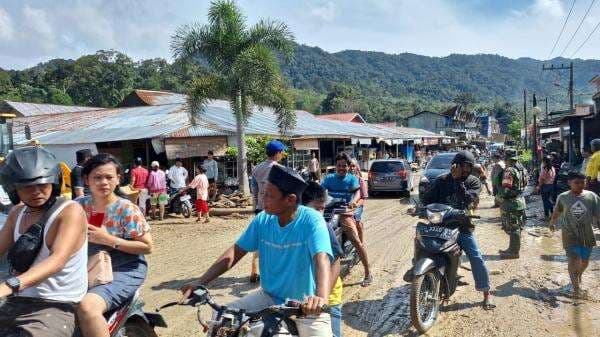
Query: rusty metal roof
{"x": 25, "y": 109}
{"x": 152, "y": 97}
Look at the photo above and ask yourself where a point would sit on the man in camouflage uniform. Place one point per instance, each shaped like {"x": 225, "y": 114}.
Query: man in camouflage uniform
{"x": 513, "y": 205}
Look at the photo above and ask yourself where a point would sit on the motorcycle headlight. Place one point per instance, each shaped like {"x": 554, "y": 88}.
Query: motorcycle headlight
{"x": 435, "y": 217}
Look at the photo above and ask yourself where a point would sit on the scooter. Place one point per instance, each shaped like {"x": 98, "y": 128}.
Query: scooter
{"x": 334, "y": 208}
{"x": 230, "y": 322}
{"x": 180, "y": 202}
{"x": 436, "y": 262}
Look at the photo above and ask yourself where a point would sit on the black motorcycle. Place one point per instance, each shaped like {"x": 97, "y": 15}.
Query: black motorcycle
{"x": 334, "y": 209}
{"x": 180, "y": 202}
{"x": 230, "y": 322}
{"x": 437, "y": 258}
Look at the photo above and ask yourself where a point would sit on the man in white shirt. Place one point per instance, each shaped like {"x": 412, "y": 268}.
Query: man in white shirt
{"x": 178, "y": 175}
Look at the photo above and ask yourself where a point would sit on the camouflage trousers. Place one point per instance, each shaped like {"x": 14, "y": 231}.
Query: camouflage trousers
{"x": 513, "y": 220}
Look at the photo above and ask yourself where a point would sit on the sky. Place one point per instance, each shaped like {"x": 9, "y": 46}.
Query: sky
{"x": 35, "y": 31}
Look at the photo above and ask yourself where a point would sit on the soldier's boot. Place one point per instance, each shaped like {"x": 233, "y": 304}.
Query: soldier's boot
{"x": 514, "y": 247}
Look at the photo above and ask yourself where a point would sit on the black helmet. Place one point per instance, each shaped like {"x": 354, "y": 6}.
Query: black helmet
{"x": 595, "y": 145}
{"x": 464, "y": 157}
{"x": 28, "y": 166}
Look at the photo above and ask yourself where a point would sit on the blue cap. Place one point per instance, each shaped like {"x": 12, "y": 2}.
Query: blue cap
{"x": 275, "y": 146}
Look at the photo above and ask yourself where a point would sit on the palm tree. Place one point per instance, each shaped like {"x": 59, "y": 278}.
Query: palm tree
{"x": 244, "y": 69}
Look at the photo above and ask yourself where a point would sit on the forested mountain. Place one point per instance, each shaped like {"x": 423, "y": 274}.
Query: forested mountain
{"x": 382, "y": 87}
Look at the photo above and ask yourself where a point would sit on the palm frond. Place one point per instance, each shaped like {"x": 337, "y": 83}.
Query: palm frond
{"x": 202, "y": 89}
{"x": 256, "y": 69}
{"x": 273, "y": 34}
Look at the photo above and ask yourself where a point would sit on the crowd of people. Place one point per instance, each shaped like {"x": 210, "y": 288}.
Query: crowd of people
{"x": 296, "y": 254}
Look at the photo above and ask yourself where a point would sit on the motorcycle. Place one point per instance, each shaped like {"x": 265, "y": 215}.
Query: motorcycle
{"x": 230, "y": 322}
{"x": 180, "y": 202}
{"x": 334, "y": 208}
{"x": 437, "y": 258}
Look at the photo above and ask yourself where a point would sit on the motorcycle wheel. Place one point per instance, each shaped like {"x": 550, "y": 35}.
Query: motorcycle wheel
{"x": 424, "y": 301}
{"x": 186, "y": 211}
{"x": 137, "y": 328}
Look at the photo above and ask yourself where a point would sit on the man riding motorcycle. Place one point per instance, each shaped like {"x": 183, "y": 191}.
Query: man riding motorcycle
{"x": 459, "y": 189}
{"x": 295, "y": 250}
{"x": 48, "y": 281}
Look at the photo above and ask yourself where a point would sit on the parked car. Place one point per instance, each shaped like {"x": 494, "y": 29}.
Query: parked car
{"x": 437, "y": 166}
{"x": 390, "y": 175}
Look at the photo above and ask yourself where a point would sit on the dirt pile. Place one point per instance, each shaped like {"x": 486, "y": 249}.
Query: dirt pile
{"x": 234, "y": 200}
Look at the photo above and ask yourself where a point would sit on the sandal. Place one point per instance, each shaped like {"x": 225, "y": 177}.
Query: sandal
{"x": 488, "y": 304}
{"x": 367, "y": 281}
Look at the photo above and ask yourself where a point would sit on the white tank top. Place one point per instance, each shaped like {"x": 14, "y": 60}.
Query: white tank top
{"x": 70, "y": 283}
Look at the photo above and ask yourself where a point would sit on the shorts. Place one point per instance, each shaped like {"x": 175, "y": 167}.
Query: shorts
{"x": 201, "y": 206}
{"x": 127, "y": 279}
{"x": 27, "y": 316}
{"x": 142, "y": 198}
{"x": 159, "y": 199}
{"x": 580, "y": 252}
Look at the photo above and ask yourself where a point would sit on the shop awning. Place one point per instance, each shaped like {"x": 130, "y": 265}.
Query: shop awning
{"x": 195, "y": 146}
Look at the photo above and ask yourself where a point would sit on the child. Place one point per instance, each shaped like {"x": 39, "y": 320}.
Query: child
{"x": 314, "y": 196}
{"x": 200, "y": 183}
{"x": 577, "y": 209}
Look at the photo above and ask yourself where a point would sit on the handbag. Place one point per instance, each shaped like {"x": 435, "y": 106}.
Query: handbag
{"x": 99, "y": 269}
{"x": 23, "y": 253}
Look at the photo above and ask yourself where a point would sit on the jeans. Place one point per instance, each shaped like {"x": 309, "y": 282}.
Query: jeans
{"x": 481, "y": 275}
{"x": 336, "y": 320}
{"x": 547, "y": 192}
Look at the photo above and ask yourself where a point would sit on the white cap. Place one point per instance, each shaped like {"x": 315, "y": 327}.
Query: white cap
{"x": 155, "y": 164}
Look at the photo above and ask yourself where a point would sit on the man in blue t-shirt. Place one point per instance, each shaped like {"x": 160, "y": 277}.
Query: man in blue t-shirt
{"x": 346, "y": 186}
{"x": 295, "y": 255}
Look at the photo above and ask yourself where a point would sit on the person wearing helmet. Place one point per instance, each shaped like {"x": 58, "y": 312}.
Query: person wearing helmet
{"x": 593, "y": 167}
{"x": 460, "y": 189}
{"x": 514, "y": 181}
{"x": 41, "y": 298}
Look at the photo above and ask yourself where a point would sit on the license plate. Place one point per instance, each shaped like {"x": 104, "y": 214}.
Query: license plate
{"x": 387, "y": 179}
{"x": 435, "y": 232}
{"x": 185, "y": 198}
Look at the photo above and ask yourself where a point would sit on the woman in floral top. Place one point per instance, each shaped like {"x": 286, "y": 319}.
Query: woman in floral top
{"x": 117, "y": 226}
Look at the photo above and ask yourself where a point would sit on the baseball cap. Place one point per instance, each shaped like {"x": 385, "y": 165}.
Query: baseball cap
{"x": 275, "y": 146}
{"x": 155, "y": 164}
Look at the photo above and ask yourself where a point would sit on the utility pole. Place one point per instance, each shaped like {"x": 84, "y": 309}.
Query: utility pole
{"x": 571, "y": 103}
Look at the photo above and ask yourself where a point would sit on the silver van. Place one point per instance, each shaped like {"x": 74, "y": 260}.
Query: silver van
{"x": 390, "y": 175}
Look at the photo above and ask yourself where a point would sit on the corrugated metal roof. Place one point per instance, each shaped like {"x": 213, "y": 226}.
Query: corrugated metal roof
{"x": 152, "y": 97}
{"x": 346, "y": 117}
{"x": 35, "y": 109}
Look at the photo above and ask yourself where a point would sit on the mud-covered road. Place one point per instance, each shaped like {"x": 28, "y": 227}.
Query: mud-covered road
{"x": 532, "y": 293}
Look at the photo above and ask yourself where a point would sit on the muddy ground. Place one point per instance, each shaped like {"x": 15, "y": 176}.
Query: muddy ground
{"x": 532, "y": 293}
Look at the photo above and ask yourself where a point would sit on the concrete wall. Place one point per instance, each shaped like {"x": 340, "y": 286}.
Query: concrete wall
{"x": 427, "y": 121}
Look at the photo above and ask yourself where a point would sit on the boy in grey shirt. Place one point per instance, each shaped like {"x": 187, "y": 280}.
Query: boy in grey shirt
{"x": 577, "y": 209}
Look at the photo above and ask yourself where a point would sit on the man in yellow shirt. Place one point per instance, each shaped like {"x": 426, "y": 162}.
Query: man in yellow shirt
{"x": 593, "y": 166}
{"x": 315, "y": 196}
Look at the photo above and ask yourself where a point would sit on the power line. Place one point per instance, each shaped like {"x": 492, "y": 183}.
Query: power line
{"x": 586, "y": 39}
{"x": 578, "y": 27}
{"x": 562, "y": 29}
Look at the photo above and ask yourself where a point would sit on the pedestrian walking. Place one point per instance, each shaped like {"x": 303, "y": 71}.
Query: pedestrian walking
{"x": 587, "y": 153}
{"x": 139, "y": 182}
{"x": 546, "y": 186}
{"x": 314, "y": 168}
{"x": 513, "y": 205}
{"x": 212, "y": 174}
{"x": 577, "y": 208}
{"x": 157, "y": 186}
{"x": 201, "y": 184}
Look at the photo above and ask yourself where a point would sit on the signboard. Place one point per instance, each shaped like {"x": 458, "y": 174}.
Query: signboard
{"x": 430, "y": 141}
{"x": 195, "y": 146}
{"x": 307, "y": 144}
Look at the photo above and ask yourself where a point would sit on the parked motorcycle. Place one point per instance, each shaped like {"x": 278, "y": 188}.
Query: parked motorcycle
{"x": 437, "y": 258}
{"x": 180, "y": 202}
{"x": 230, "y": 322}
{"x": 334, "y": 208}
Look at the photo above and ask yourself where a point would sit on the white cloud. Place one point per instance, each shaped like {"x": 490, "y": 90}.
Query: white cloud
{"x": 553, "y": 8}
{"x": 7, "y": 30}
{"x": 326, "y": 11}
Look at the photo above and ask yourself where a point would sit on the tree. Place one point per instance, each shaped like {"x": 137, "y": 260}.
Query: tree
{"x": 514, "y": 129}
{"x": 244, "y": 68}
{"x": 465, "y": 99}
{"x": 57, "y": 96}
{"x": 338, "y": 99}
